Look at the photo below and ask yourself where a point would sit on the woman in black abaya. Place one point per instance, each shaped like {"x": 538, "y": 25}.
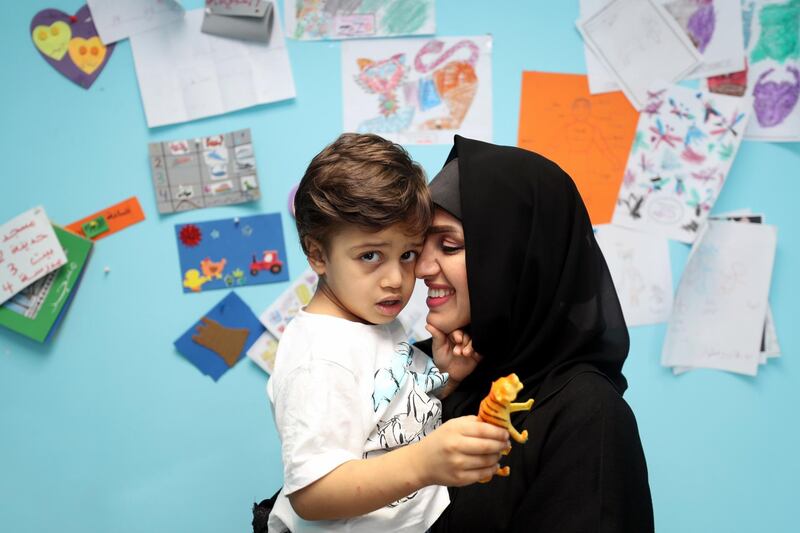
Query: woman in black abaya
{"x": 512, "y": 259}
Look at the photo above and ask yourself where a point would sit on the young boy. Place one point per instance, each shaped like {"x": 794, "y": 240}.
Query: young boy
{"x": 351, "y": 400}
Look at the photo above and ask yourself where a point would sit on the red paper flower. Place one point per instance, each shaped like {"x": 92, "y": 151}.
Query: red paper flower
{"x": 190, "y": 235}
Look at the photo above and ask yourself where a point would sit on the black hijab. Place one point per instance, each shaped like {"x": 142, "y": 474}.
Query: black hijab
{"x": 543, "y": 304}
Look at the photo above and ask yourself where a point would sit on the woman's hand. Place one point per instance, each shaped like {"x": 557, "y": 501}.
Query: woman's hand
{"x": 460, "y": 452}
{"x": 453, "y": 354}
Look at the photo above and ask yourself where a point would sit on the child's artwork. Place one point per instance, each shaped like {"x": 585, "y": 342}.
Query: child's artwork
{"x": 588, "y": 136}
{"x": 119, "y": 19}
{"x": 263, "y": 352}
{"x": 684, "y": 145}
{"x": 773, "y": 71}
{"x": 769, "y": 339}
{"x": 640, "y": 44}
{"x": 231, "y": 252}
{"x": 108, "y": 221}
{"x": 221, "y": 337}
{"x": 715, "y": 29}
{"x": 419, "y": 91}
{"x": 640, "y": 267}
{"x": 721, "y": 303}
{"x": 345, "y": 19}
{"x": 278, "y": 315}
{"x": 37, "y": 309}
{"x": 185, "y": 74}
{"x": 29, "y": 250}
{"x": 204, "y": 172}
{"x": 70, "y": 44}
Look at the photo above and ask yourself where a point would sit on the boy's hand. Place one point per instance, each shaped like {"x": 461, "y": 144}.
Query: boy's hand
{"x": 453, "y": 354}
{"x": 460, "y": 452}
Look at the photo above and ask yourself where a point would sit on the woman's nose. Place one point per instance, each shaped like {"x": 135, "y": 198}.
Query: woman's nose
{"x": 426, "y": 265}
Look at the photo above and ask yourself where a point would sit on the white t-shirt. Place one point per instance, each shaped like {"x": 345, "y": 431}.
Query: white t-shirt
{"x": 343, "y": 390}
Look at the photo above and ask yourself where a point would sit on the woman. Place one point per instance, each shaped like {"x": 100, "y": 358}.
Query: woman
{"x": 511, "y": 258}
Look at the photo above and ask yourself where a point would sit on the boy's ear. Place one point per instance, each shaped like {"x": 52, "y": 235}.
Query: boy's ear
{"x": 316, "y": 256}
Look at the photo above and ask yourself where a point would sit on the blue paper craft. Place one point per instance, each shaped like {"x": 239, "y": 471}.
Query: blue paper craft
{"x": 231, "y": 313}
{"x": 231, "y": 252}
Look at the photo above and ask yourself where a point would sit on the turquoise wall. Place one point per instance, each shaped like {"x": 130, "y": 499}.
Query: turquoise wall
{"x": 109, "y": 429}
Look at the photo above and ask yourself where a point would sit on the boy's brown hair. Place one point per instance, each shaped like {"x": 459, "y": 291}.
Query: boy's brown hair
{"x": 364, "y": 180}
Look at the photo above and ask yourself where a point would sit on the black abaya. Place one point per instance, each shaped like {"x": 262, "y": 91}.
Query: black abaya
{"x": 544, "y": 307}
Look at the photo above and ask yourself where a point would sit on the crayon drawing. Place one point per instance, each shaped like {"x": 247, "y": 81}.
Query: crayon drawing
{"x": 348, "y": 19}
{"x": 418, "y": 91}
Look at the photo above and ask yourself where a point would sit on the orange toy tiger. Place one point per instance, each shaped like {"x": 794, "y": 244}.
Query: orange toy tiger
{"x": 497, "y": 407}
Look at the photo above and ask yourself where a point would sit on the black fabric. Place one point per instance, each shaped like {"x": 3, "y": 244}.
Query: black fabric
{"x": 444, "y": 187}
{"x": 543, "y": 305}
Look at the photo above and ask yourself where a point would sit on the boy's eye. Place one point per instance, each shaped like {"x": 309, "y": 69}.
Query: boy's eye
{"x": 409, "y": 256}
{"x": 370, "y": 257}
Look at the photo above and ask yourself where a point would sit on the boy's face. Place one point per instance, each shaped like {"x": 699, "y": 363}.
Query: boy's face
{"x": 371, "y": 274}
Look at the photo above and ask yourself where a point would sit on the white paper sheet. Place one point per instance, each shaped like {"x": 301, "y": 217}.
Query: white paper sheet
{"x": 640, "y": 44}
{"x": 640, "y": 267}
{"x": 119, "y": 19}
{"x": 263, "y": 352}
{"x": 345, "y": 19}
{"x": 185, "y": 74}
{"x": 280, "y": 312}
{"x": 718, "y": 315}
{"x": 685, "y": 143}
{"x": 419, "y": 91}
{"x": 29, "y": 250}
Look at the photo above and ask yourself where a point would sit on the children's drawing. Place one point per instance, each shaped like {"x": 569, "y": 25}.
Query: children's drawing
{"x": 639, "y": 44}
{"x": 263, "y": 352}
{"x": 772, "y": 75}
{"x": 698, "y": 18}
{"x": 418, "y": 91}
{"x": 204, "y": 172}
{"x": 640, "y": 267}
{"x": 278, "y": 315}
{"x": 231, "y": 252}
{"x": 720, "y": 307}
{"x": 589, "y": 136}
{"x": 70, "y": 44}
{"x": 349, "y": 19}
{"x": 119, "y": 19}
{"x": 673, "y": 178}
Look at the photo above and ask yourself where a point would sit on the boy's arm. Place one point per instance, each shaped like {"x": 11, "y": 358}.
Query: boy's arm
{"x": 460, "y": 452}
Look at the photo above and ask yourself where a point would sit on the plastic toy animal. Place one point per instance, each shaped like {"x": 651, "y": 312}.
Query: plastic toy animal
{"x": 497, "y": 407}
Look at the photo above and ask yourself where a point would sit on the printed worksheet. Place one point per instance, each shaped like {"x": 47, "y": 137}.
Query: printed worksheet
{"x": 684, "y": 145}
{"x": 721, "y": 303}
{"x": 640, "y": 267}
{"x": 119, "y": 19}
{"x": 185, "y": 74}
{"x": 640, "y": 44}
{"x": 419, "y": 91}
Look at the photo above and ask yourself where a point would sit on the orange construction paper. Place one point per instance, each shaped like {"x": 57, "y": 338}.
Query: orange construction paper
{"x": 587, "y": 135}
{"x": 118, "y": 217}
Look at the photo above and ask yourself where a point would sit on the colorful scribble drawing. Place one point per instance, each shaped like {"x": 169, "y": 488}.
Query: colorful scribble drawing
{"x": 455, "y": 83}
{"x": 673, "y": 179}
{"x": 774, "y": 101}
{"x": 697, "y": 18}
{"x": 421, "y": 86}
{"x": 344, "y": 19}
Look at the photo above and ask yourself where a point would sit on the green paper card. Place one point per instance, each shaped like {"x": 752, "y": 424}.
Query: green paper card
{"x": 36, "y": 310}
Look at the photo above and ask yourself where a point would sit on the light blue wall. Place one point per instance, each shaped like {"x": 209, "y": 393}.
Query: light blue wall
{"x": 109, "y": 429}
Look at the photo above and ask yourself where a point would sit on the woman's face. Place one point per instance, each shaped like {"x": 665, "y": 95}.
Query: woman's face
{"x": 442, "y": 264}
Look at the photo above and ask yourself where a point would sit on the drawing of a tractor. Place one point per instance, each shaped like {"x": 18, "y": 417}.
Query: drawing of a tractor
{"x": 269, "y": 261}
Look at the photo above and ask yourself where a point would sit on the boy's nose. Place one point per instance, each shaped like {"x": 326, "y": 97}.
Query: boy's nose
{"x": 393, "y": 277}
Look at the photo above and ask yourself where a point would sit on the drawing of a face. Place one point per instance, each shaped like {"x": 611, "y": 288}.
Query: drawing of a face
{"x": 775, "y": 101}
{"x": 581, "y": 109}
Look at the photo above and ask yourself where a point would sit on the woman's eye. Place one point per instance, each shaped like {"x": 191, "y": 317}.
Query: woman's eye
{"x": 370, "y": 257}
{"x": 408, "y": 256}
{"x": 449, "y": 248}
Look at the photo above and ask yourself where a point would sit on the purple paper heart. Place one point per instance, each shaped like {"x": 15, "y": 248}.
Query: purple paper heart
{"x": 774, "y": 101}
{"x": 63, "y": 39}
